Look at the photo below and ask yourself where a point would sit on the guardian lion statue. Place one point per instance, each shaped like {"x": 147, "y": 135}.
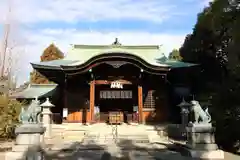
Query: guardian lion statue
{"x": 31, "y": 114}
{"x": 200, "y": 115}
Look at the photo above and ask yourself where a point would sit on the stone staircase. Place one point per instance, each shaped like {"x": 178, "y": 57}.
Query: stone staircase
{"x": 156, "y": 134}
{"x": 132, "y": 141}
{"x": 74, "y": 135}
{"x": 103, "y": 135}
{"x": 127, "y": 136}
{"x": 67, "y": 133}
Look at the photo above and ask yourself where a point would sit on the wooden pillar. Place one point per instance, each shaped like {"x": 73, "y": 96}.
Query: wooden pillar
{"x": 65, "y": 100}
{"x": 92, "y": 100}
{"x": 65, "y": 104}
{"x": 140, "y": 104}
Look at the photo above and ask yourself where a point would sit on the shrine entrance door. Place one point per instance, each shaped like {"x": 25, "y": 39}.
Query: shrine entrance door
{"x": 120, "y": 100}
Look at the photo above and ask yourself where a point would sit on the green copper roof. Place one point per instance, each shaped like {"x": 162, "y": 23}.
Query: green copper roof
{"x": 36, "y": 91}
{"x": 79, "y": 54}
{"x": 56, "y": 63}
{"x": 82, "y": 53}
{"x": 174, "y": 63}
{"x": 178, "y": 64}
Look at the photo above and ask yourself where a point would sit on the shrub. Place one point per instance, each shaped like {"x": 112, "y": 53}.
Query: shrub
{"x": 9, "y": 112}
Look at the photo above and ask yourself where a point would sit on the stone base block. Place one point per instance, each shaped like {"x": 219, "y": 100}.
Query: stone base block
{"x": 30, "y": 129}
{"x": 202, "y": 146}
{"x": 217, "y": 154}
{"x": 23, "y": 156}
{"x": 28, "y": 139}
{"x": 25, "y": 148}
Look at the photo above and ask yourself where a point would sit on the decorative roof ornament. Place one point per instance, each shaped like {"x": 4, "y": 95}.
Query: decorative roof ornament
{"x": 116, "y": 42}
{"x": 184, "y": 103}
{"x": 47, "y": 103}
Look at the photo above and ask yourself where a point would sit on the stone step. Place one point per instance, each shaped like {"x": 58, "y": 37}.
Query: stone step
{"x": 75, "y": 139}
{"x": 74, "y": 133}
{"x": 140, "y": 155}
{"x": 58, "y": 131}
{"x": 118, "y": 139}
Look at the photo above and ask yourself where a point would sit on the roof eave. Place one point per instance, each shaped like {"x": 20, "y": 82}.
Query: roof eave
{"x": 25, "y": 95}
{"x": 39, "y": 66}
{"x": 82, "y": 46}
{"x": 187, "y": 66}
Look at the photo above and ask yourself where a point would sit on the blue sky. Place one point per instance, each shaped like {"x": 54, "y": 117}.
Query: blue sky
{"x": 35, "y": 24}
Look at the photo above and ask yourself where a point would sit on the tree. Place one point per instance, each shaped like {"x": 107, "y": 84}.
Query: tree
{"x": 49, "y": 54}
{"x": 175, "y": 55}
{"x": 10, "y": 50}
{"x": 9, "y": 113}
{"x": 9, "y": 66}
{"x": 215, "y": 47}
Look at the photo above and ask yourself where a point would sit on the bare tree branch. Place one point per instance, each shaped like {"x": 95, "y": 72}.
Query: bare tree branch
{"x": 6, "y": 40}
{"x": 11, "y": 49}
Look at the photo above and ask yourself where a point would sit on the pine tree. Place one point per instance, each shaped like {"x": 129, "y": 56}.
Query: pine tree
{"x": 49, "y": 54}
{"x": 175, "y": 55}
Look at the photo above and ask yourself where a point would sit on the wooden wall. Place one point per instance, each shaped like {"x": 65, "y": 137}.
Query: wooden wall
{"x": 77, "y": 102}
{"x": 155, "y": 105}
{"x": 155, "y": 101}
{"x": 78, "y": 117}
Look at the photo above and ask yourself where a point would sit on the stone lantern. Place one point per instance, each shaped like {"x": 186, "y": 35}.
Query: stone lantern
{"x": 28, "y": 134}
{"x": 184, "y": 112}
{"x": 47, "y": 117}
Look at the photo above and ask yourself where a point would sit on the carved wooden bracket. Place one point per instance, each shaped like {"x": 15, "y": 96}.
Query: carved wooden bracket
{"x": 116, "y": 64}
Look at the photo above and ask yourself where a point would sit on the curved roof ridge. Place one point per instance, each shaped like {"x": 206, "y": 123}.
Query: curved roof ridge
{"x": 152, "y": 61}
{"x": 83, "y": 55}
{"x": 84, "y": 46}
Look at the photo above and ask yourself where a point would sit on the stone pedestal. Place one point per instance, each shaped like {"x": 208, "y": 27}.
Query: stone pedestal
{"x": 201, "y": 142}
{"x": 28, "y": 143}
{"x": 184, "y": 117}
{"x": 47, "y": 116}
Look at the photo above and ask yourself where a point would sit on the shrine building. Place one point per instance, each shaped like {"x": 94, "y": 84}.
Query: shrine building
{"x": 93, "y": 80}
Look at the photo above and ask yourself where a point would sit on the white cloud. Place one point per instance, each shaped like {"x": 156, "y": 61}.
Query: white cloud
{"x": 30, "y": 11}
{"x": 38, "y": 41}
{"x": 206, "y": 2}
{"x": 71, "y": 11}
{"x": 65, "y": 37}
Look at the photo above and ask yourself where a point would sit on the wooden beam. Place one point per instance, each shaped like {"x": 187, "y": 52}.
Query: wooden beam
{"x": 92, "y": 100}
{"x": 140, "y": 104}
{"x": 99, "y": 82}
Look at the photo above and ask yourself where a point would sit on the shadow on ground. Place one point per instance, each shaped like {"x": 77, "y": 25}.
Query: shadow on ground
{"x": 124, "y": 150}
{"x": 177, "y": 134}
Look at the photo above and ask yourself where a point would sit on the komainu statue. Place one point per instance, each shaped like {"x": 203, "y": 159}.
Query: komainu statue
{"x": 201, "y": 116}
{"x": 31, "y": 114}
